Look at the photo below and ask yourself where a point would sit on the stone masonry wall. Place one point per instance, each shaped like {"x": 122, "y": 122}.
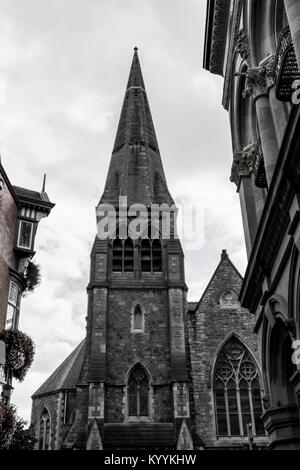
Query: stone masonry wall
{"x": 208, "y": 328}
{"x": 151, "y": 348}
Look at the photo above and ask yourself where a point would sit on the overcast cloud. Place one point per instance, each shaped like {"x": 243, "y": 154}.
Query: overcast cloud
{"x": 64, "y": 66}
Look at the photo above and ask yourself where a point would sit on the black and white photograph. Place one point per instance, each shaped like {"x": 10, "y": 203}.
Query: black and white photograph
{"x": 149, "y": 228}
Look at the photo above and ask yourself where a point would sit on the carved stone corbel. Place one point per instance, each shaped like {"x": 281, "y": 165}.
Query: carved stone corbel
{"x": 256, "y": 83}
{"x": 268, "y": 64}
{"x": 239, "y": 168}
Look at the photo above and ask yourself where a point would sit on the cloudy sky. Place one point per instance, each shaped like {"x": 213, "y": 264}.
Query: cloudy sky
{"x": 64, "y": 66}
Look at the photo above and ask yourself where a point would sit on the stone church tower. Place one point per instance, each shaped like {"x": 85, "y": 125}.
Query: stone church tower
{"x": 154, "y": 372}
{"x": 131, "y": 370}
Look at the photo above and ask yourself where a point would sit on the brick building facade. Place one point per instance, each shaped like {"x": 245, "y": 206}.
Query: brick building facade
{"x": 21, "y": 210}
{"x": 151, "y": 372}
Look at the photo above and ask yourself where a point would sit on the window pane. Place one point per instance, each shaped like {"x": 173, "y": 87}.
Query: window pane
{"x": 258, "y": 411}
{"x": 41, "y": 437}
{"x": 245, "y": 405}
{"x": 233, "y": 410}
{"x": 117, "y": 255}
{"x": 25, "y": 234}
{"x": 146, "y": 256}
{"x": 221, "y": 413}
{"x": 143, "y": 392}
{"x": 138, "y": 324}
{"x": 138, "y": 318}
{"x": 13, "y": 293}
{"x": 132, "y": 398}
{"x": 10, "y": 316}
{"x": 157, "y": 256}
{"x": 47, "y": 437}
{"x": 128, "y": 255}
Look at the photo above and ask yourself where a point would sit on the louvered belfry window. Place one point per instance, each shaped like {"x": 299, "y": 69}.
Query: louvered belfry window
{"x": 138, "y": 393}
{"x": 151, "y": 256}
{"x": 237, "y": 389}
{"x": 123, "y": 255}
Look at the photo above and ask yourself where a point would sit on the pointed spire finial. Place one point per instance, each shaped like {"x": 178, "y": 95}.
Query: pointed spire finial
{"x": 44, "y": 183}
{"x": 136, "y": 49}
{"x": 224, "y": 254}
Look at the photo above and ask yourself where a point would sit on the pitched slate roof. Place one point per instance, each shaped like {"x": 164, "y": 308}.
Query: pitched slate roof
{"x": 139, "y": 435}
{"x": 33, "y": 197}
{"x": 66, "y": 376}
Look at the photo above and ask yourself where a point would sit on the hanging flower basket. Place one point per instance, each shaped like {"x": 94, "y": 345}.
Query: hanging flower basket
{"x": 32, "y": 277}
{"x": 19, "y": 352}
{"x": 7, "y": 425}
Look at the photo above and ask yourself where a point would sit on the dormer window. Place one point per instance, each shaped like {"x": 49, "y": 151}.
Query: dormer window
{"x": 25, "y": 235}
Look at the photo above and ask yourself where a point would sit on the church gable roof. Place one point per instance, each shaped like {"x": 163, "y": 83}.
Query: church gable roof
{"x": 225, "y": 278}
{"x": 66, "y": 376}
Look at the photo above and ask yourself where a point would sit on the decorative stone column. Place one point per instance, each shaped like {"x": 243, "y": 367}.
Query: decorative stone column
{"x": 242, "y": 176}
{"x": 257, "y": 86}
{"x": 293, "y": 13}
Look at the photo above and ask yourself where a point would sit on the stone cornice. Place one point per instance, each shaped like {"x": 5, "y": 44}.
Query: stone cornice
{"x": 235, "y": 45}
{"x": 216, "y": 32}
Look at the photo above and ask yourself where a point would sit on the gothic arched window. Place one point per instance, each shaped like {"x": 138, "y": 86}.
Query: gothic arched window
{"x": 44, "y": 431}
{"x": 237, "y": 391}
{"x": 137, "y": 319}
{"x": 138, "y": 393}
{"x": 151, "y": 256}
{"x": 123, "y": 255}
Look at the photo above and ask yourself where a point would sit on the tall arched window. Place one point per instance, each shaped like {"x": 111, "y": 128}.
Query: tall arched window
{"x": 138, "y": 393}
{"x": 137, "y": 319}
{"x": 237, "y": 391}
{"x": 44, "y": 431}
{"x": 123, "y": 255}
{"x": 151, "y": 256}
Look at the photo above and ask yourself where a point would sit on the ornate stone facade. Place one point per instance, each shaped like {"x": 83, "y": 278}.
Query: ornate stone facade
{"x": 258, "y": 86}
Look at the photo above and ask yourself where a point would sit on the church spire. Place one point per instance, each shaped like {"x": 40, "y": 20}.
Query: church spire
{"x": 135, "y": 76}
{"x": 136, "y": 169}
{"x": 135, "y": 125}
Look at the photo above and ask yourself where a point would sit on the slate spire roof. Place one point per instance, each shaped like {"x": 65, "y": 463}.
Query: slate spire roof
{"x": 136, "y": 169}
